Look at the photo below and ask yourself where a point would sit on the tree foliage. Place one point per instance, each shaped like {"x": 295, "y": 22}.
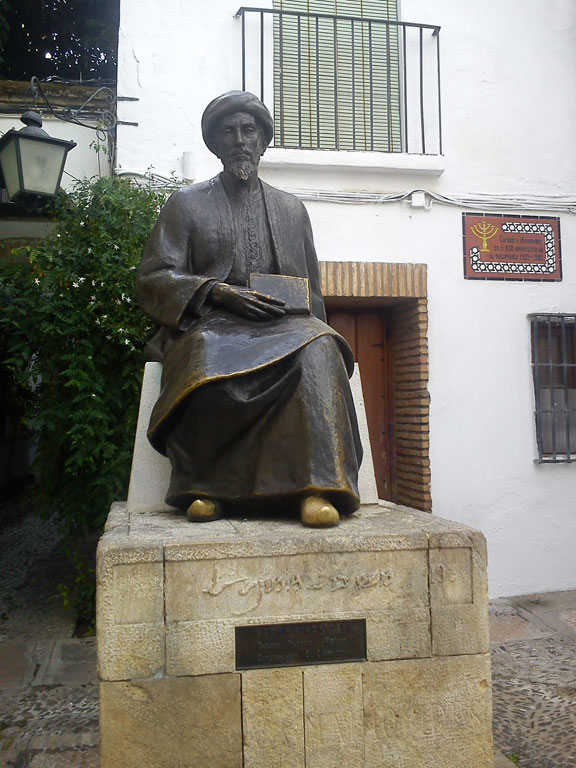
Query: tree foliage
{"x": 74, "y": 335}
{"x": 5, "y": 12}
{"x": 73, "y": 39}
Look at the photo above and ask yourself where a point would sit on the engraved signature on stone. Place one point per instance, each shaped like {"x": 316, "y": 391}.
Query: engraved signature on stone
{"x": 439, "y": 718}
{"x": 441, "y": 574}
{"x": 296, "y": 582}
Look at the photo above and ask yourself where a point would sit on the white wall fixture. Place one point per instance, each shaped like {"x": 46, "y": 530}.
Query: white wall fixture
{"x": 188, "y": 166}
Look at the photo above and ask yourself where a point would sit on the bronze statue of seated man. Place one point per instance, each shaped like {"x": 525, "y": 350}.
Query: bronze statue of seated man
{"x": 255, "y": 411}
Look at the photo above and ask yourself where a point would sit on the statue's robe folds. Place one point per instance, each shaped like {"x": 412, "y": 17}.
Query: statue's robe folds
{"x": 249, "y": 412}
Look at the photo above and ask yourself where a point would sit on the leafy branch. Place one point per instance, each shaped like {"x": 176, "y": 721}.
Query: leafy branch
{"x": 73, "y": 335}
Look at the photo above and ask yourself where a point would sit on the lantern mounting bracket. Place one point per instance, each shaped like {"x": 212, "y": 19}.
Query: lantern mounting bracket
{"x": 106, "y": 117}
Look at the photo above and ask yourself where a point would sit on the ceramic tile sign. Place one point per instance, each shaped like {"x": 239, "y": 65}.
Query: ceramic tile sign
{"x": 505, "y": 247}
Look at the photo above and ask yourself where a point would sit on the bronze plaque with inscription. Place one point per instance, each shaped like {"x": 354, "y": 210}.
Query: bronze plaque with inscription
{"x": 299, "y": 643}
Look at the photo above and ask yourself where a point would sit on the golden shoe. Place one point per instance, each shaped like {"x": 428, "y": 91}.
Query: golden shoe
{"x": 316, "y": 512}
{"x": 203, "y": 511}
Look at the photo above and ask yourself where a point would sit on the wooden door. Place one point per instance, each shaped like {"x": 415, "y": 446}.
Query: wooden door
{"x": 368, "y": 335}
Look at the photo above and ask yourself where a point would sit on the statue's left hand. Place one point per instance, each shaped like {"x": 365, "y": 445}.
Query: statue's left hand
{"x": 246, "y": 303}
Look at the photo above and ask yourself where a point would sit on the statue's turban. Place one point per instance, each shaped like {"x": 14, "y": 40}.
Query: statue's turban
{"x": 229, "y": 103}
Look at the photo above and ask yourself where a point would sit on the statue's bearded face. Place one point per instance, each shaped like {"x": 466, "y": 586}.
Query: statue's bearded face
{"x": 240, "y": 144}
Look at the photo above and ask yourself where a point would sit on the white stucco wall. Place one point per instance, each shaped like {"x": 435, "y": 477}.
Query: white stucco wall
{"x": 509, "y": 111}
{"x": 482, "y": 434}
{"x": 508, "y": 100}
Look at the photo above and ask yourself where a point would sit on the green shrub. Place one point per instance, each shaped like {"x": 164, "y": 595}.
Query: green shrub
{"x": 73, "y": 336}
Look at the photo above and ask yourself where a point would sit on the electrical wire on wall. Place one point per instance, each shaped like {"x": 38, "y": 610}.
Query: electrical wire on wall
{"x": 561, "y": 203}
{"x": 479, "y": 201}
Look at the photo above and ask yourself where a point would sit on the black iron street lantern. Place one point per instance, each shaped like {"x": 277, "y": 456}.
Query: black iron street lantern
{"x": 32, "y": 162}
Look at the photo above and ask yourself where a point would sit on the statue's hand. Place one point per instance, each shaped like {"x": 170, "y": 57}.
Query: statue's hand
{"x": 246, "y": 303}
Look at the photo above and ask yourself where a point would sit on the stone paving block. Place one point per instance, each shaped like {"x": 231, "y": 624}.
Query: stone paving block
{"x": 534, "y": 697}
{"x": 553, "y": 611}
{"x": 18, "y": 662}
{"x": 501, "y": 761}
{"x": 333, "y": 716}
{"x": 278, "y": 741}
{"x": 569, "y": 618}
{"x": 69, "y": 758}
{"x": 45, "y": 719}
{"x": 547, "y": 601}
{"x": 62, "y": 739}
{"x": 47, "y": 742}
{"x": 508, "y": 624}
{"x": 430, "y": 713}
{"x": 505, "y": 629}
{"x": 11, "y": 750}
{"x": 172, "y": 723}
{"x": 71, "y": 662}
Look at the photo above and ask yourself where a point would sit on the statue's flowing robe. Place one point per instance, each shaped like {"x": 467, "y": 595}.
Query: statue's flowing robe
{"x": 248, "y": 411}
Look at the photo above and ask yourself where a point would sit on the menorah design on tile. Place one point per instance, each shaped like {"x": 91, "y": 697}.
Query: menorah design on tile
{"x": 484, "y": 231}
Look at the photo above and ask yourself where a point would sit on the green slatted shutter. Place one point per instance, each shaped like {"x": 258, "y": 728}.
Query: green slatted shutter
{"x": 337, "y": 83}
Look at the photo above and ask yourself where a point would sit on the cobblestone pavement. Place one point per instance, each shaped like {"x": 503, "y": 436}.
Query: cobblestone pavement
{"x": 534, "y": 680}
{"x": 48, "y": 693}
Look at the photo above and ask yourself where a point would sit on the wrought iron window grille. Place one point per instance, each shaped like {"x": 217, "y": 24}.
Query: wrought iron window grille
{"x": 345, "y": 82}
{"x": 554, "y": 373}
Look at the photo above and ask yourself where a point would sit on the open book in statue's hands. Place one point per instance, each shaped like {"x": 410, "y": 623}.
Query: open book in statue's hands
{"x": 294, "y": 291}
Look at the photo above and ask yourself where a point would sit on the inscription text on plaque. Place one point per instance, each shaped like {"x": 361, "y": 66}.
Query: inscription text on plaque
{"x": 300, "y": 643}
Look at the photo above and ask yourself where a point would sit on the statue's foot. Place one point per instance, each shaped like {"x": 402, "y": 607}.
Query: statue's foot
{"x": 203, "y": 510}
{"x": 316, "y": 512}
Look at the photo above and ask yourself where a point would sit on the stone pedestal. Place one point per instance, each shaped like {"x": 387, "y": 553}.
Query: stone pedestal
{"x": 171, "y": 593}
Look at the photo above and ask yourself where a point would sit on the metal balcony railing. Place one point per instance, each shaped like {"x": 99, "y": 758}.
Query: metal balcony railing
{"x": 345, "y": 82}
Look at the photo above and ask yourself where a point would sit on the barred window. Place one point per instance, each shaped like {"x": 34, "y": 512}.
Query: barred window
{"x": 554, "y": 369}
